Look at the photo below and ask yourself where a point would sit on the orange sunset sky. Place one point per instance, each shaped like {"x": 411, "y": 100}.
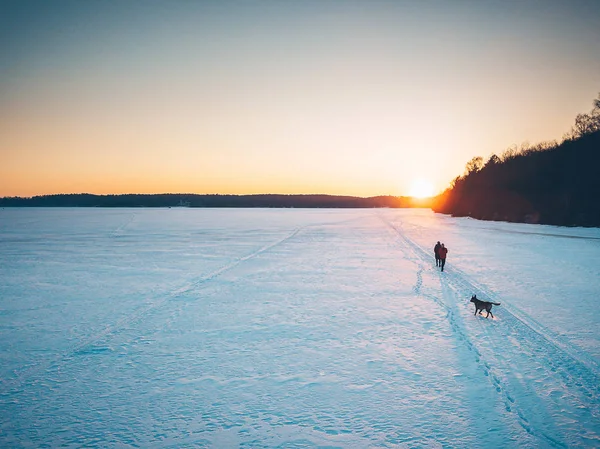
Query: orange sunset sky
{"x": 338, "y": 97}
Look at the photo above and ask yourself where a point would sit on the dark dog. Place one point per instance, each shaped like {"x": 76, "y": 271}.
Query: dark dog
{"x": 483, "y": 305}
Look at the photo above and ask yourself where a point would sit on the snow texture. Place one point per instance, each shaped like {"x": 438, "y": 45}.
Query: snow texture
{"x": 265, "y": 328}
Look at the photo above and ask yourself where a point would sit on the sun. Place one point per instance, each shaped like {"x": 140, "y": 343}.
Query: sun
{"x": 421, "y": 188}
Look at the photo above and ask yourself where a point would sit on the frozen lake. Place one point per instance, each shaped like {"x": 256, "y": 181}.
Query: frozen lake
{"x": 290, "y": 328}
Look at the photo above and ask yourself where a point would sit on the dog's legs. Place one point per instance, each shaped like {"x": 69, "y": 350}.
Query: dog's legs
{"x": 490, "y": 313}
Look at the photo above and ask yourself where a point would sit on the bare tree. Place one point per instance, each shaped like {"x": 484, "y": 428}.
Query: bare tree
{"x": 568, "y": 136}
{"x": 509, "y": 153}
{"x": 493, "y": 160}
{"x": 541, "y": 146}
{"x": 586, "y": 124}
{"x": 474, "y": 165}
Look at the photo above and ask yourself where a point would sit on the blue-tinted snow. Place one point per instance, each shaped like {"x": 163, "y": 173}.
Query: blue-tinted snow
{"x": 294, "y": 328}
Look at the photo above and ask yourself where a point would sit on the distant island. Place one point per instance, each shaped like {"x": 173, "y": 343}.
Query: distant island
{"x": 195, "y": 200}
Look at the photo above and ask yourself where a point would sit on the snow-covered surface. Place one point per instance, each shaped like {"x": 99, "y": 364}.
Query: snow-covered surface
{"x": 293, "y": 328}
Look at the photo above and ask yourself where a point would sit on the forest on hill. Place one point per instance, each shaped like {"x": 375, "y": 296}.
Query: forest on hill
{"x": 547, "y": 183}
{"x": 194, "y": 200}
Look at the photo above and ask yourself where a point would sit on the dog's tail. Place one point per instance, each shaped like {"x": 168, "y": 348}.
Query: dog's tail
{"x": 496, "y": 303}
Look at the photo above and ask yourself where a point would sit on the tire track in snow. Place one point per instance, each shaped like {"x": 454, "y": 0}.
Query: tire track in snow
{"x": 24, "y": 374}
{"x": 458, "y": 329}
{"x": 421, "y": 263}
{"x": 119, "y": 230}
{"x": 457, "y": 325}
{"x": 576, "y": 374}
{"x": 461, "y": 279}
{"x": 492, "y": 369}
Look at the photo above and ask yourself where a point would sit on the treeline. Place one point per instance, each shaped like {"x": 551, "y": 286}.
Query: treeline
{"x": 548, "y": 183}
{"x": 194, "y": 200}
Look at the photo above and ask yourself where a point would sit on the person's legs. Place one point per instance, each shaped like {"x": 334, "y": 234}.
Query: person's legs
{"x": 443, "y": 263}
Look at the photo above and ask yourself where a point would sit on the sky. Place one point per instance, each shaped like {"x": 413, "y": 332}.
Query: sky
{"x": 295, "y": 328}
{"x": 338, "y": 97}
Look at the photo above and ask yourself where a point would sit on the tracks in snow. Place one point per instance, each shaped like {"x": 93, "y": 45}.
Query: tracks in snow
{"x": 26, "y": 373}
{"x": 554, "y": 374}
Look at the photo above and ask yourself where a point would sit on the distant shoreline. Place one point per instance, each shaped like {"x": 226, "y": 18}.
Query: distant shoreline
{"x": 178, "y": 200}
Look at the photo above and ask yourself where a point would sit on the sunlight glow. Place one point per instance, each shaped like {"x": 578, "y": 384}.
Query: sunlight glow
{"x": 281, "y": 97}
{"x": 421, "y": 188}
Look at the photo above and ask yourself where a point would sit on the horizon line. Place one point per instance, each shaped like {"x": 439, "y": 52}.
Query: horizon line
{"x": 221, "y": 194}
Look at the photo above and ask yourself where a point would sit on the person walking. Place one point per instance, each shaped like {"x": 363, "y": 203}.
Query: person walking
{"x": 443, "y": 252}
{"x": 436, "y": 250}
